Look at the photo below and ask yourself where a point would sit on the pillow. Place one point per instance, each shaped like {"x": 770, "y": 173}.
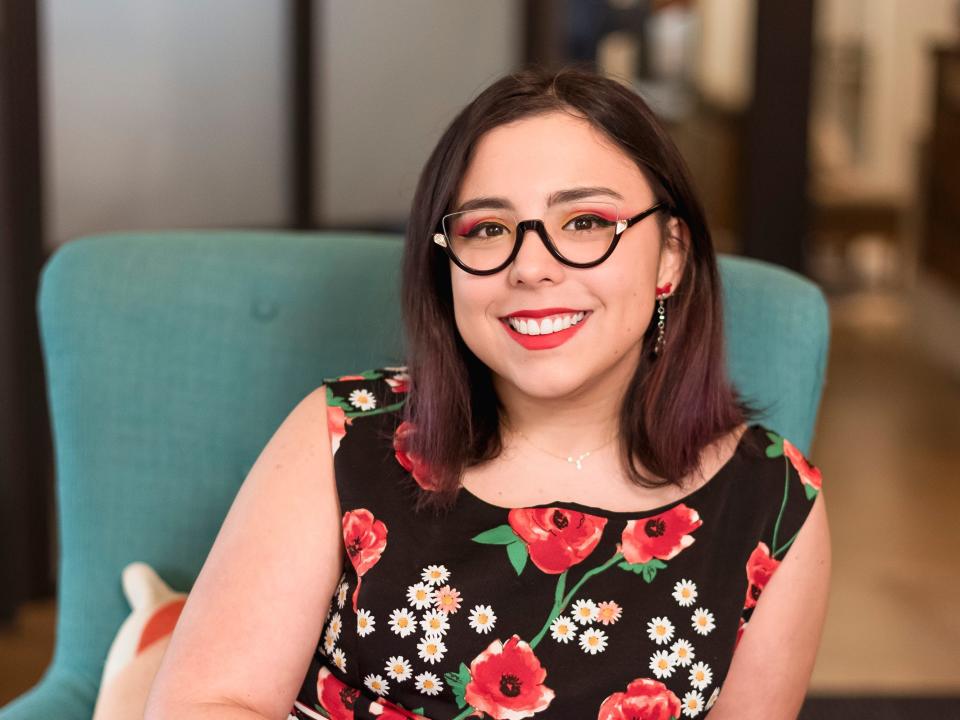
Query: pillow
{"x": 135, "y": 654}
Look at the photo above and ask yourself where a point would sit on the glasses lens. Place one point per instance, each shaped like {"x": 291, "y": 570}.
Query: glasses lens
{"x": 583, "y": 231}
{"x": 481, "y": 239}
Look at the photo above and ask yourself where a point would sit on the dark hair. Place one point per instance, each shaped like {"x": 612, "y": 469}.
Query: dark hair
{"x": 676, "y": 403}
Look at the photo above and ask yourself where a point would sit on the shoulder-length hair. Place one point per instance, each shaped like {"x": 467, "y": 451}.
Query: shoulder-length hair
{"x": 676, "y": 404}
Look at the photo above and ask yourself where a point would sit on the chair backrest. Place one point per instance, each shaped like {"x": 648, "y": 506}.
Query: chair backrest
{"x": 172, "y": 357}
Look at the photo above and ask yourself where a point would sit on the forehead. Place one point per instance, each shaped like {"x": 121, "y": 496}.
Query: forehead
{"x": 528, "y": 159}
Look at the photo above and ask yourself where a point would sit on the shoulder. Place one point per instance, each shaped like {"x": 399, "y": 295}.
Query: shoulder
{"x": 787, "y": 583}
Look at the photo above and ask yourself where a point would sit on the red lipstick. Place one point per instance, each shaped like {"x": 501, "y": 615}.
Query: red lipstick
{"x": 545, "y": 312}
{"x": 544, "y": 342}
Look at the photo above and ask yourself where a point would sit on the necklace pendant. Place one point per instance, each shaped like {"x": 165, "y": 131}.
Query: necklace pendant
{"x": 578, "y": 460}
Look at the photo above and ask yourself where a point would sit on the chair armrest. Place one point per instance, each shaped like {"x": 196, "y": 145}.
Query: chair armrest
{"x": 59, "y": 694}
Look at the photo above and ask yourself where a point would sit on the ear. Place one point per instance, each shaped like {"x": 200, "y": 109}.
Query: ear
{"x": 673, "y": 253}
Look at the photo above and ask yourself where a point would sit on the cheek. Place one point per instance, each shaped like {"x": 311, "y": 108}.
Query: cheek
{"x": 471, "y": 297}
{"x": 628, "y": 304}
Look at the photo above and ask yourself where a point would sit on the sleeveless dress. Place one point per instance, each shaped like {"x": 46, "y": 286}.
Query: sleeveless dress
{"x": 558, "y": 610}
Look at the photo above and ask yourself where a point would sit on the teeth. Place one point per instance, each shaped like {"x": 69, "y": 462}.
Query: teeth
{"x": 545, "y": 326}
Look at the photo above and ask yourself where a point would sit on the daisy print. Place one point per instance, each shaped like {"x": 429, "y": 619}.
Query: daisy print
{"x": 682, "y": 652}
{"x": 713, "y": 698}
{"x": 702, "y": 620}
{"x": 403, "y": 622}
{"x": 342, "y": 590}
{"x": 447, "y": 599}
{"x": 435, "y": 623}
{"x": 662, "y": 664}
{"x": 701, "y": 675}
{"x": 563, "y": 630}
{"x": 692, "y": 704}
{"x": 482, "y": 618}
{"x": 340, "y": 659}
{"x": 431, "y": 649}
{"x": 685, "y": 593}
{"x": 329, "y": 641}
{"x": 608, "y": 612}
{"x": 435, "y": 574}
{"x": 398, "y": 668}
{"x": 428, "y": 683}
{"x": 336, "y": 625}
{"x": 593, "y": 641}
{"x": 365, "y": 623}
{"x": 420, "y": 596}
{"x": 377, "y": 684}
{"x": 584, "y": 611}
{"x": 660, "y": 630}
{"x": 362, "y": 399}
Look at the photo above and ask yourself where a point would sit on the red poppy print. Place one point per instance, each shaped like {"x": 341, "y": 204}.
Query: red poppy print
{"x": 350, "y": 377}
{"x": 337, "y": 422}
{"x": 645, "y": 699}
{"x": 364, "y": 538}
{"x": 506, "y": 681}
{"x": 556, "y": 538}
{"x": 661, "y": 536}
{"x": 399, "y": 383}
{"x": 388, "y": 711}
{"x": 760, "y": 568}
{"x": 334, "y": 696}
{"x": 411, "y": 462}
{"x": 809, "y": 474}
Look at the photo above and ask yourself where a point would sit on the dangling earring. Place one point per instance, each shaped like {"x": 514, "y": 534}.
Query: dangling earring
{"x": 661, "y": 318}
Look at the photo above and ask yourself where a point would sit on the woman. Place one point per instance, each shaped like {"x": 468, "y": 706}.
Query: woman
{"x": 559, "y": 508}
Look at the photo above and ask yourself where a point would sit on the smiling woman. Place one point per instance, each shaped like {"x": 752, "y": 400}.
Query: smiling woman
{"x": 560, "y": 507}
{"x": 603, "y": 502}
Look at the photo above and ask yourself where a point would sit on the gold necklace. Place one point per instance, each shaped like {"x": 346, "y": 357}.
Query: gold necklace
{"x": 575, "y": 461}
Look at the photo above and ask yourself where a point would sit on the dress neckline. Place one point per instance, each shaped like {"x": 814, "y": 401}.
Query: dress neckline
{"x": 466, "y": 496}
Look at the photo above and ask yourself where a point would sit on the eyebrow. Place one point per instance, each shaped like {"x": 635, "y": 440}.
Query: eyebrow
{"x": 560, "y": 196}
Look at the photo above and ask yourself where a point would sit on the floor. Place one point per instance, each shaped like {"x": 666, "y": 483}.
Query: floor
{"x": 888, "y": 443}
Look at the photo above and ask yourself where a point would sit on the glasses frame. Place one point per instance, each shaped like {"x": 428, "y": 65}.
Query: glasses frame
{"x": 440, "y": 238}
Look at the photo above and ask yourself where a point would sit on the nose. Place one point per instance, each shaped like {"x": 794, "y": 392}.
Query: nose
{"x": 534, "y": 263}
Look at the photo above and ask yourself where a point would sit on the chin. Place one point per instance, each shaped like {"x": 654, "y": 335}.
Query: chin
{"x": 546, "y": 383}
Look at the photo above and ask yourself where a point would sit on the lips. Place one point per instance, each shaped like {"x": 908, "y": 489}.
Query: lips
{"x": 541, "y": 341}
{"x": 544, "y": 312}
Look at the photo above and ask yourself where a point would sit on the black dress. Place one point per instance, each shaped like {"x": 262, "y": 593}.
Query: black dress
{"x": 558, "y": 610}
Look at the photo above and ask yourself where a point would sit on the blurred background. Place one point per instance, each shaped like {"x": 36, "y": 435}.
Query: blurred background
{"x": 824, "y": 136}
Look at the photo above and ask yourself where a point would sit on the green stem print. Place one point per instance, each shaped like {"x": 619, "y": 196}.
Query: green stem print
{"x": 785, "y": 546}
{"x": 775, "y": 449}
{"x": 783, "y": 505}
{"x": 561, "y": 601}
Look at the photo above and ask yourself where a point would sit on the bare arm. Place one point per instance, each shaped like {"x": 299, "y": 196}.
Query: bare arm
{"x": 245, "y": 638}
{"x": 771, "y": 667}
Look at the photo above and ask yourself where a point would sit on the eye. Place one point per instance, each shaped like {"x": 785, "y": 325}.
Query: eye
{"x": 486, "y": 230}
{"x": 588, "y": 222}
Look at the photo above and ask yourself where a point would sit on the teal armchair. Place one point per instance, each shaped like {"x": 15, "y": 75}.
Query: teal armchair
{"x": 172, "y": 357}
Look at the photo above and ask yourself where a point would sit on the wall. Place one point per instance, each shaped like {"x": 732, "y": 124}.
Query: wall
{"x": 163, "y": 114}
{"x": 391, "y": 76}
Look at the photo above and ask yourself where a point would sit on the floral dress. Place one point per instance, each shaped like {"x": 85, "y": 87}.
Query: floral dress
{"x": 558, "y": 610}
